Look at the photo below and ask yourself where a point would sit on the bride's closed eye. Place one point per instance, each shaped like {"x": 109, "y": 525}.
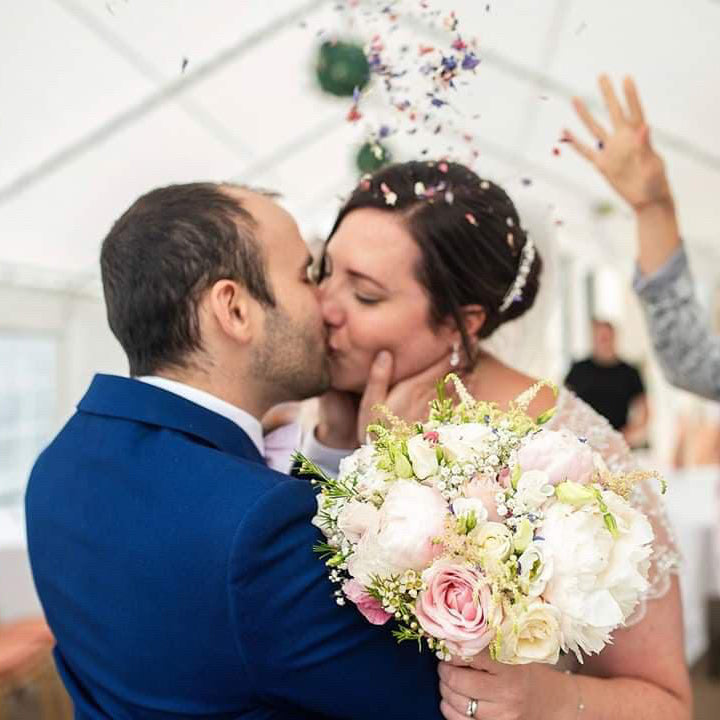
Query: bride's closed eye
{"x": 367, "y": 300}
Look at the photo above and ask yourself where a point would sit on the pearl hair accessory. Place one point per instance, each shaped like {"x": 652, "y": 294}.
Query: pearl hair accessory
{"x": 527, "y": 258}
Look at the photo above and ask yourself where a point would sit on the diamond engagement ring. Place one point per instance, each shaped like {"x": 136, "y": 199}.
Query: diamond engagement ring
{"x": 471, "y": 708}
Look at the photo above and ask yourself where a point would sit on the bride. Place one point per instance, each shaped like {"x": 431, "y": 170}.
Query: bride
{"x": 424, "y": 261}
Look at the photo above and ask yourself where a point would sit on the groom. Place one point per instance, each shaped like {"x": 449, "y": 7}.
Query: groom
{"x": 175, "y": 568}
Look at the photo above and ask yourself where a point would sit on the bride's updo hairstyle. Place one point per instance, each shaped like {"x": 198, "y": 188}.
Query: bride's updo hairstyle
{"x": 470, "y": 239}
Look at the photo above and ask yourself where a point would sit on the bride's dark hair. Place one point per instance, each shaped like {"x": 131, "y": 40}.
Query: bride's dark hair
{"x": 469, "y": 235}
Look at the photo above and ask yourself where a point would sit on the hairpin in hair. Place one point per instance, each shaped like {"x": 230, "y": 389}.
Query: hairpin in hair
{"x": 527, "y": 258}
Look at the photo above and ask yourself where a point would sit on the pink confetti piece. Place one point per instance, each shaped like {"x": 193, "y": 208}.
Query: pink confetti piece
{"x": 471, "y": 219}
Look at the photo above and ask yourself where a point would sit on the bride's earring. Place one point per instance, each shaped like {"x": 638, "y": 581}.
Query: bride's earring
{"x": 455, "y": 355}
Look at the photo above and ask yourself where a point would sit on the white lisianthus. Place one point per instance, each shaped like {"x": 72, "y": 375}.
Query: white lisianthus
{"x": 523, "y": 535}
{"x": 464, "y": 506}
{"x": 356, "y": 518}
{"x": 423, "y": 457}
{"x": 535, "y": 569}
{"x": 534, "y": 489}
{"x": 531, "y": 634}
{"x": 462, "y": 443}
{"x": 596, "y": 579}
{"x": 495, "y": 542}
{"x": 411, "y": 517}
{"x": 575, "y": 494}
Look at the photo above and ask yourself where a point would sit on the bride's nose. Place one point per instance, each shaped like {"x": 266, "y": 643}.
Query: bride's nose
{"x": 331, "y": 309}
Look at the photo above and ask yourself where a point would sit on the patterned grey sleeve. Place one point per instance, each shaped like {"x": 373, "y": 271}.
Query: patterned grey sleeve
{"x": 688, "y": 350}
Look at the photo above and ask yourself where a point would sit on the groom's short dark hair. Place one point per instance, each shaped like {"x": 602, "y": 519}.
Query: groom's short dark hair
{"x": 170, "y": 246}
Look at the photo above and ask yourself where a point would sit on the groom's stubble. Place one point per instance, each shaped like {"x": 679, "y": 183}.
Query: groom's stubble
{"x": 292, "y": 359}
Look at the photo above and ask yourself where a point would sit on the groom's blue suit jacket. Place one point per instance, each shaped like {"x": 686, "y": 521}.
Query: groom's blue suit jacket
{"x": 177, "y": 573}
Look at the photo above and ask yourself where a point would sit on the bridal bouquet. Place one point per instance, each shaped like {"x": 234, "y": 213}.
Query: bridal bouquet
{"x": 480, "y": 529}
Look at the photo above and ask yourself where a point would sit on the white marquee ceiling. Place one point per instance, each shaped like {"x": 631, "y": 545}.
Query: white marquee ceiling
{"x": 95, "y": 109}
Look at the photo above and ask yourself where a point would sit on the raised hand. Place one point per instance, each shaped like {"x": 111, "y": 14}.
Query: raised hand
{"x": 624, "y": 155}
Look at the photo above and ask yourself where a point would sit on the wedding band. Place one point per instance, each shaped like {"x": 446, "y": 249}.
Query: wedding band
{"x": 471, "y": 708}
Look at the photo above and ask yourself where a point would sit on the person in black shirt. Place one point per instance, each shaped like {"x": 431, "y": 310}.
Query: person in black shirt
{"x": 611, "y": 386}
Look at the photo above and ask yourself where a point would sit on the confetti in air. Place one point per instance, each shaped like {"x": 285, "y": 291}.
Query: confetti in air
{"x": 421, "y": 83}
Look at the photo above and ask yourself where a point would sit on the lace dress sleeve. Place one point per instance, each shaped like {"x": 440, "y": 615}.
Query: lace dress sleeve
{"x": 577, "y": 416}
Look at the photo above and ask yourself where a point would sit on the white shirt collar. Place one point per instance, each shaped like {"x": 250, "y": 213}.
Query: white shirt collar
{"x": 251, "y": 425}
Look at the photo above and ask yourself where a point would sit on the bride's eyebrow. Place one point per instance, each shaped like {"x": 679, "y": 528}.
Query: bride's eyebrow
{"x": 361, "y": 276}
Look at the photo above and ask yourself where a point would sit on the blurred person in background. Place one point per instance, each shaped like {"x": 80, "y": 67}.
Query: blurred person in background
{"x": 611, "y": 386}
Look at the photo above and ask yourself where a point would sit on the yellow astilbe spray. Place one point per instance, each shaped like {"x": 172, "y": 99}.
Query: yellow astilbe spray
{"x": 623, "y": 484}
{"x": 396, "y": 425}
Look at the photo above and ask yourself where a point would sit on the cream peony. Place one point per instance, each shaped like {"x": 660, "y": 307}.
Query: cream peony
{"x": 401, "y": 539}
{"x": 560, "y": 454}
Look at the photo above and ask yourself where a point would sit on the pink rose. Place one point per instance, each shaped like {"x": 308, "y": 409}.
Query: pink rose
{"x": 456, "y": 607}
{"x": 485, "y": 489}
{"x": 559, "y": 454}
{"x": 371, "y": 608}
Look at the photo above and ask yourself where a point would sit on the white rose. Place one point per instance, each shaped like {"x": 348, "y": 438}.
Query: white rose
{"x": 495, "y": 541}
{"x": 411, "y": 517}
{"x": 534, "y": 489}
{"x": 423, "y": 457}
{"x": 356, "y": 518}
{"x": 532, "y": 634}
{"x": 463, "y": 442}
{"x": 535, "y": 569}
{"x": 464, "y": 506}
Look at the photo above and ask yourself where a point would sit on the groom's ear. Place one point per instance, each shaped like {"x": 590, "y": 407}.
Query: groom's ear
{"x": 231, "y": 306}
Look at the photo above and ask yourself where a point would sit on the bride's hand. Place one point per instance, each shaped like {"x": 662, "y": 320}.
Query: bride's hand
{"x": 530, "y": 691}
{"x": 408, "y": 399}
{"x": 624, "y": 155}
